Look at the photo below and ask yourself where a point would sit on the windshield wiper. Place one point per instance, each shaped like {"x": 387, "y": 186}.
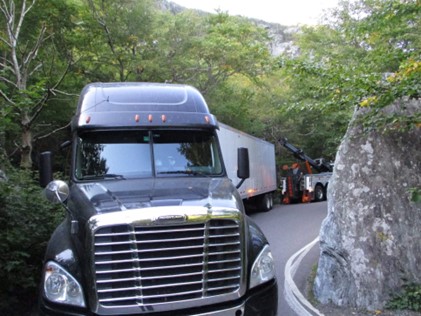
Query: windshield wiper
{"x": 103, "y": 176}
{"x": 187, "y": 172}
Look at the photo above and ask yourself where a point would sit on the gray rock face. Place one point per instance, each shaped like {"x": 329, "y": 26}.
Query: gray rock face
{"x": 370, "y": 241}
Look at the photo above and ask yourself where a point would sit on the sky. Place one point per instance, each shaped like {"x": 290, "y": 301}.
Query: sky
{"x": 285, "y": 12}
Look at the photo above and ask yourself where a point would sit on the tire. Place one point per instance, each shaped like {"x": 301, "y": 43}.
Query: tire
{"x": 266, "y": 202}
{"x": 319, "y": 193}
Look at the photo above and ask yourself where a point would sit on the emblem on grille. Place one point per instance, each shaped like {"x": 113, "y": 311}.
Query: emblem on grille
{"x": 169, "y": 219}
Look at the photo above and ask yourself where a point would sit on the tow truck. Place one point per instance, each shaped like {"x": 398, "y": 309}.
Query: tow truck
{"x": 303, "y": 185}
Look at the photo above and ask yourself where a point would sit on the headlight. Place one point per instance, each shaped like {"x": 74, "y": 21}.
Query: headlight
{"x": 263, "y": 268}
{"x": 61, "y": 287}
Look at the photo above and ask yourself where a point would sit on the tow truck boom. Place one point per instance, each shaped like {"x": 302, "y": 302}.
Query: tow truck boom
{"x": 319, "y": 164}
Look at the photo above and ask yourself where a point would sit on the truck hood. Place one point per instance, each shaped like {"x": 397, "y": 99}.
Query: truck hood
{"x": 114, "y": 195}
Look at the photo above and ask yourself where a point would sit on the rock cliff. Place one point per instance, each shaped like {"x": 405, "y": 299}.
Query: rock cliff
{"x": 370, "y": 241}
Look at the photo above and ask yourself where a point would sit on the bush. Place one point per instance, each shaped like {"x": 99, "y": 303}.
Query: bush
{"x": 26, "y": 223}
{"x": 410, "y": 299}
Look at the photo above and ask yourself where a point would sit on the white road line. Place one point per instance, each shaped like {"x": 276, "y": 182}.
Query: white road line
{"x": 292, "y": 294}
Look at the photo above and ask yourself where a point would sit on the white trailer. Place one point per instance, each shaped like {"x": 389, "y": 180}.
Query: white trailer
{"x": 257, "y": 191}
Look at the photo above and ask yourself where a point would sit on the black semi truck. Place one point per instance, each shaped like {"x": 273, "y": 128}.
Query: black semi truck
{"x": 154, "y": 226}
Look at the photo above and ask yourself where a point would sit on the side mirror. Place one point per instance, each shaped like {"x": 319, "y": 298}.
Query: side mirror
{"x": 45, "y": 168}
{"x": 243, "y": 162}
{"x": 243, "y": 171}
{"x": 57, "y": 191}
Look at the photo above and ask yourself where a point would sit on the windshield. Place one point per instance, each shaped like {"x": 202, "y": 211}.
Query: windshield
{"x": 139, "y": 154}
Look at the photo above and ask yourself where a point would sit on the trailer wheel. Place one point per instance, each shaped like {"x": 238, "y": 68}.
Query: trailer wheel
{"x": 266, "y": 203}
{"x": 319, "y": 193}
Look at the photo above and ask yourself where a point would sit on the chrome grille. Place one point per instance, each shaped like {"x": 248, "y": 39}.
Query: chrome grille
{"x": 145, "y": 265}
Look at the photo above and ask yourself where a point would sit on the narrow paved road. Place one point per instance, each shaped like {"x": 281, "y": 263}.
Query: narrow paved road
{"x": 288, "y": 229}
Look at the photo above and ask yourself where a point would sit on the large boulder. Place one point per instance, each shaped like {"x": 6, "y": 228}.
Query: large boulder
{"x": 370, "y": 241}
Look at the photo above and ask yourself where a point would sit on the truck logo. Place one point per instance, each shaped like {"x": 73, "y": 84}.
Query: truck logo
{"x": 169, "y": 219}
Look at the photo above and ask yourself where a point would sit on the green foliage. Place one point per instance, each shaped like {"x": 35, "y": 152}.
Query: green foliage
{"x": 117, "y": 39}
{"x": 415, "y": 194}
{"x": 26, "y": 222}
{"x": 231, "y": 104}
{"x": 367, "y": 55}
{"x": 409, "y": 299}
{"x": 208, "y": 51}
{"x": 35, "y": 59}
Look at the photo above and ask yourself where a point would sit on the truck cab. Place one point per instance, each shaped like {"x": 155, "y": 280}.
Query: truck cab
{"x": 153, "y": 224}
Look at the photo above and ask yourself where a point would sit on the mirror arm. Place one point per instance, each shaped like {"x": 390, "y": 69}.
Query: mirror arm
{"x": 240, "y": 183}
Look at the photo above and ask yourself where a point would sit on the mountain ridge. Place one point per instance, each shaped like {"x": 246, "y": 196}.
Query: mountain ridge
{"x": 281, "y": 36}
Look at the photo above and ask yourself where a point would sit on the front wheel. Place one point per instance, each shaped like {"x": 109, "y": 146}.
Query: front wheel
{"x": 319, "y": 193}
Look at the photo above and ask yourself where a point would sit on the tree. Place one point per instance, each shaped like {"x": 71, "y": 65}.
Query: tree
{"x": 367, "y": 55}
{"x": 207, "y": 51}
{"x": 232, "y": 46}
{"x": 119, "y": 35}
{"x": 25, "y": 81}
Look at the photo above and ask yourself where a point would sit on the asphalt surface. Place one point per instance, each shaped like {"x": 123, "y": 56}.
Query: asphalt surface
{"x": 289, "y": 229}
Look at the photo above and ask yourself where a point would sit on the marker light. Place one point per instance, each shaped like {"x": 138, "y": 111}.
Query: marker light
{"x": 250, "y": 192}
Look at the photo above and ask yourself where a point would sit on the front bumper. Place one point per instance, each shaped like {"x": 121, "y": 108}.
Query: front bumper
{"x": 262, "y": 301}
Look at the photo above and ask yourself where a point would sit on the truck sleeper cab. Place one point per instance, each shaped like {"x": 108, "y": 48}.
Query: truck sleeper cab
{"x": 153, "y": 225}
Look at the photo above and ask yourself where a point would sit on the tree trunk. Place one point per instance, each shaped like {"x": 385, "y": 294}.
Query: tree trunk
{"x": 26, "y": 146}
